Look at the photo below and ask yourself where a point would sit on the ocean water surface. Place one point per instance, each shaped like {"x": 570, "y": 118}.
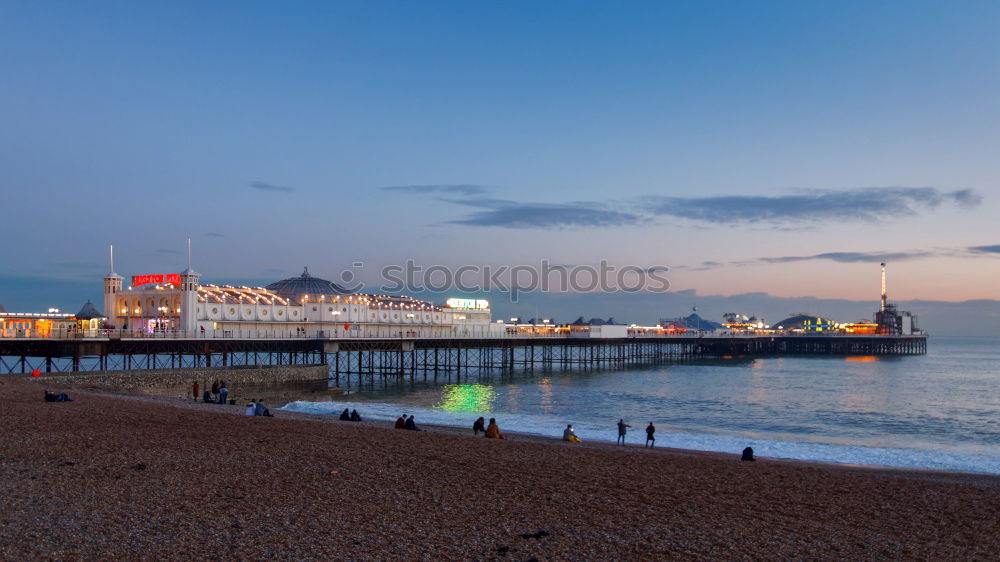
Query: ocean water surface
{"x": 938, "y": 411}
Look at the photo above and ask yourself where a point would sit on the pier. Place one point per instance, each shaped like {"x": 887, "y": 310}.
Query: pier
{"x": 429, "y": 357}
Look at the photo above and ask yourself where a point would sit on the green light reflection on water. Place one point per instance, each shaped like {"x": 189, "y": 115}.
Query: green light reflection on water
{"x": 466, "y": 398}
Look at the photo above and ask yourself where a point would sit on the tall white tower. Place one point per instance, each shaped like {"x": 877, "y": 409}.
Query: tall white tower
{"x": 112, "y": 289}
{"x": 189, "y": 302}
{"x": 189, "y": 298}
{"x": 884, "y": 296}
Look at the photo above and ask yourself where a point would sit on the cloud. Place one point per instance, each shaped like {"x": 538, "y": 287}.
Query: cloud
{"x": 215, "y": 234}
{"x": 703, "y": 266}
{"x": 994, "y": 249}
{"x": 463, "y": 189}
{"x": 852, "y": 257}
{"x": 862, "y": 204}
{"x": 791, "y": 212}
{"x": 503, "y": 213}
{"x": 264, "y": 186}
{"x": 511, "y": 214}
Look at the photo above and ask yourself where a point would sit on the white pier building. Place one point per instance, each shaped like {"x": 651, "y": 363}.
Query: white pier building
{"x": 304, "y": 306}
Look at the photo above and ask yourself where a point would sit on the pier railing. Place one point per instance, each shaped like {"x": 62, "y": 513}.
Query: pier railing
{"x": 376, "y": 333}
{"x": 391, "y": 356}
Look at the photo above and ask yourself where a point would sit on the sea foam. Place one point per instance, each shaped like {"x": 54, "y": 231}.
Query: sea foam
{"x": 589, "y": 431}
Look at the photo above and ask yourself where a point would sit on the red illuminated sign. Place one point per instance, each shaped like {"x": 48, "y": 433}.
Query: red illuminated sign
{"x": 158, "y": 278}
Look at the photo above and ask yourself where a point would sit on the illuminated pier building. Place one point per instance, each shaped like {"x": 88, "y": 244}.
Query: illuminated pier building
{"x": 303, "y": 306}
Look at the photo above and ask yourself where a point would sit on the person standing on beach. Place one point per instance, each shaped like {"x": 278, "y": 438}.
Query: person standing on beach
{"x": 622, "y": 429}
{"x": 479, "y": 425}
{"x": 650, "y": 440}
{"x": 223, "y": 392}
{"x": 195, "y": 392}
{"x": 215, "y": 390}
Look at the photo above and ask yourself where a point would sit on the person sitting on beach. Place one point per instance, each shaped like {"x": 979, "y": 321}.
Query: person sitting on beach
{"x": 622, "y": 430}
{"x": 748, "y": 454}
{"x": 570, "y": 435}
{"x": 493, "y": 430}
{"x": 355, "y": 416}
{"x": 251, "y": 408}
{"x": 401, "y": 422}
{"x": 650, "y": 440}
{"x": 479, "y": 425}
{"x": 410, "y": 424}
{"x": 345, "y": 415}
{"x": 223, "y": 392}
{"x": 261, "y": 409}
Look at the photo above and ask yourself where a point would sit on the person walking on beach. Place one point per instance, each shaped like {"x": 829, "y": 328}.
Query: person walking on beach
{"x": 479, "y": 425}
{"x": 493, "y": 430}
{"x": 401, "y": 422}
{"x": 622, "y": 430}
{"x": 650, "y": 440}
{"x": 410, "y": 424}
{"x": 570, "y": 435}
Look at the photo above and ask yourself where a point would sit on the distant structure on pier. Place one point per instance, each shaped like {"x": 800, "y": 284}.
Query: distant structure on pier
{"x": 889, "y": 320}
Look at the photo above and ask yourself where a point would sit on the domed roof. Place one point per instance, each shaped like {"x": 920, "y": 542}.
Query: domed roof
{"x": 88, "y": 312}
{"x": 809, "y": 322}
{"x": 294, "y": 287}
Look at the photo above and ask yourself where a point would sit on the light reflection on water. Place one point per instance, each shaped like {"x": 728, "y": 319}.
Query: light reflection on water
{"x": 466, "y": 398}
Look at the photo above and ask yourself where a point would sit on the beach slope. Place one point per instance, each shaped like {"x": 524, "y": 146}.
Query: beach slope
{"x": 108, "y": 476}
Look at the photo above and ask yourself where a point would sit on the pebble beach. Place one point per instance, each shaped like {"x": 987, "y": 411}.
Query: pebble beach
{"x": 123, "y": 476}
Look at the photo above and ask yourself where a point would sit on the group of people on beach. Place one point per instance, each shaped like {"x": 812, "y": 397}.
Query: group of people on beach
{"x": 623, "y": 430}
{"x": 219, "y": 394}
{"x": 570, "y": 435}
{"x": 257, "y": 408}
{"x": 403, "y": 422}
{"x": 350, "y": 416}
{"x": 491, "y": 431}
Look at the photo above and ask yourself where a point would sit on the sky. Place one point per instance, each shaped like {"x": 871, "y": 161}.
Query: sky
{"x": 777, "y": 149}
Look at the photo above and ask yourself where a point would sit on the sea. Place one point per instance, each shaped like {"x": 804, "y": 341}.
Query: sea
{"x": 937, "y": 411}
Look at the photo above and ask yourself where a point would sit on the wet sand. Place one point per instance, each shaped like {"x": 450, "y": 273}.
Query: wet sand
{"x": 125, "y": 476}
